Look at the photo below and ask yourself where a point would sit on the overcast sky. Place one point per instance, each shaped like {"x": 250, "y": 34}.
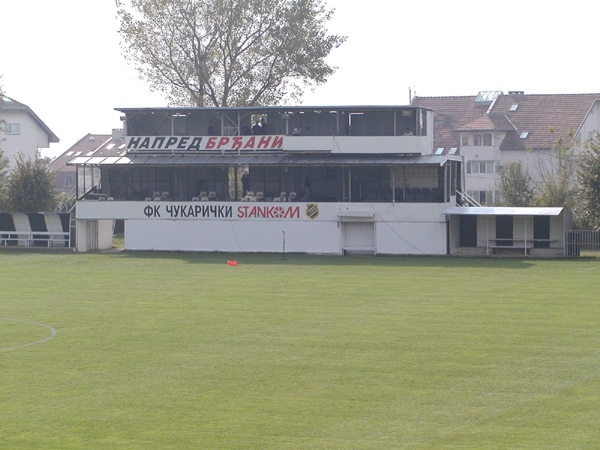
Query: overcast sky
{"x": 62, "y": 58}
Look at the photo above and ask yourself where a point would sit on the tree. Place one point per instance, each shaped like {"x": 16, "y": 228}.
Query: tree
{"x": 516, "y": 185}
{"x": 3, "y": 180}
{"x": 30, "y": 186}
{"x": 557, "y": 172}
{"x": 588, "y": 176}
{"x": 228, "y": 52}
{"x": 3, "y": 160}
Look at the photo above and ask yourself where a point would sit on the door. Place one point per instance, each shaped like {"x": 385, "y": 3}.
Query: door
{"x": 541, "y": 230}
{"x": 504, "y": 230}
{"x": 467, "y": 229}
{"x": 358, "y": 237}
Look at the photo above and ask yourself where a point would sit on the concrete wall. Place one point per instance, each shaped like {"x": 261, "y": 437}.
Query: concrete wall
{"x": 262, "y": 227}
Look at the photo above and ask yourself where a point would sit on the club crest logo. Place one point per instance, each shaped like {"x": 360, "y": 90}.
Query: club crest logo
{"x": 312, "y": 210}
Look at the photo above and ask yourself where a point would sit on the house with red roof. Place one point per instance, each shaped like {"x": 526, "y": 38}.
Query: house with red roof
{"x": 65, "y": 179}
{"x": 493, "y": 128}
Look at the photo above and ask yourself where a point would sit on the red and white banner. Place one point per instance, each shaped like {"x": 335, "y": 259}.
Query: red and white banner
{"x": 175, "y": 144}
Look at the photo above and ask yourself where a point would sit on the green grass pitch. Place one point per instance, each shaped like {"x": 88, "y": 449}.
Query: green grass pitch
{"x": 182, "y": 351}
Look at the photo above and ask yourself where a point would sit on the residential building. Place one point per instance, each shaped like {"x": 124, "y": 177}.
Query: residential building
{"x": 22, "y": 131}
{"x": 493, "y": 128}
{"x": 88, "y": 145}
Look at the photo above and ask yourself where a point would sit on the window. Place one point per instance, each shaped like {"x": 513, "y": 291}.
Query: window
{"x": 12, "y": 128}
{"x": 68, "y": 180}
{"x": 484, "y": 197}
{"x": 482, "y": 139}
{"x": 481, "y": 167}
{"x": 464, "y": 139}
{"x": 524, "y": 134}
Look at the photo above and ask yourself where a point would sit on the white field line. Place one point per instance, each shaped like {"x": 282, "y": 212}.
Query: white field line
{"x": 52, "y": 334}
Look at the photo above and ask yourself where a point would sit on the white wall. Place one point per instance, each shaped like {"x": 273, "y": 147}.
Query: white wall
{"x": 30, "y": 139}
{"x": 401, "y": 228}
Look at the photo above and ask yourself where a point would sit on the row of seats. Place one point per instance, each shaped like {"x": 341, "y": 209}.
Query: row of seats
{"x": 250, "y": 196}
{"x": 283, "y": 197}
{"x": 158, "y": 196}
{"x": 205, "y": 196}
{"x": 258, "y": 196}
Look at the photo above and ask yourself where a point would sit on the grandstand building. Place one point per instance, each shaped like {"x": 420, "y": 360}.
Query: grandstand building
{"x": 321, "y": 180}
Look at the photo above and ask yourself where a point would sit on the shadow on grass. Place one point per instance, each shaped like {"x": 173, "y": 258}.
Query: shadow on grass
{"x": 331, "y": 260}
{"x": 291, "y": 259}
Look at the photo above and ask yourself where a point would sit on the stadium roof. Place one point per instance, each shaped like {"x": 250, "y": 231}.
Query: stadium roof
{"x": 501, "y": 211}
{"x": 262, "y": 160}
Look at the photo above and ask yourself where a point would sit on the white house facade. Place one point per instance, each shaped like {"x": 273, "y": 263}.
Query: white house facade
{"x": 22, "y": 131}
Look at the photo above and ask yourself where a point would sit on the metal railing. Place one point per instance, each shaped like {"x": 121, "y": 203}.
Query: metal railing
{"x": 67, "y": 202}
{"x": 465, "y": 199}
{"x": 581, "y": 241}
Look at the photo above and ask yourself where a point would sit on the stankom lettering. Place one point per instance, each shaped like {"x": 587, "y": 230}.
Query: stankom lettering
{"x": 268, "y": 212}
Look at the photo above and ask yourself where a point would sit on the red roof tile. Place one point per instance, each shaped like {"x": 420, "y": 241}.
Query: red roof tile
{"x": 546, "y": 117}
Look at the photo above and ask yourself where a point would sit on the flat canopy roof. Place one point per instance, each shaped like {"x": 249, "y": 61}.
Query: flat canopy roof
{"x": 501, "y": 211}
{"x": 271, "y": 109}
{"x": 262, "y": 160}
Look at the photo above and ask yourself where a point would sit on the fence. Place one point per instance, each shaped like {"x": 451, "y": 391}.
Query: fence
{"x": 577, "y": 241}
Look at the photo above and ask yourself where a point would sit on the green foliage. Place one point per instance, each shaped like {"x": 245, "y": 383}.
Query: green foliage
{"x": 182, "y": 351}
{"x": 3, "y": 159}
{"x": 557, "y": 173}
{"x": 30, "y": 186}
{"x": 3, "y": 180}
{"x": 228, "y": 52}
{"x": 589, "y": 182}
{"x": 516, "y": 185}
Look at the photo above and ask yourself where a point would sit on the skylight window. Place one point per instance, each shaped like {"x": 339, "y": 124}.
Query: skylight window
{"x": 524, "y": 134}
{"x": 513, "y": 107}
{"x": 487, "y": 96}
{"x": 453, "y": 151}
{"x": 439, "y": 151}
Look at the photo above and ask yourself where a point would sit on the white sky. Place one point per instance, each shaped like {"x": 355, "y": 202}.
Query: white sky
{"x": 62, "y": 58}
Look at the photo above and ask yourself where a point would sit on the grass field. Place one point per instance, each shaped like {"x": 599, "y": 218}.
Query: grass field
{"x": 182, "y": 351}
